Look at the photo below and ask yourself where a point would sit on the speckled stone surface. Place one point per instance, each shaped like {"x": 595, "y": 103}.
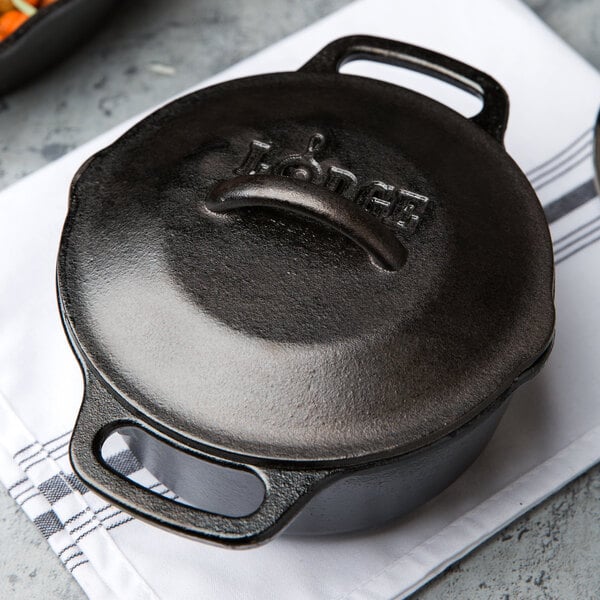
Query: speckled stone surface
{"x": 146, "y": 53}
{"x": 553, "y": 552}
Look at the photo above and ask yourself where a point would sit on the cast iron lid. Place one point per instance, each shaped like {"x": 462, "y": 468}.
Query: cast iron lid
{"x": 310, "y": 266}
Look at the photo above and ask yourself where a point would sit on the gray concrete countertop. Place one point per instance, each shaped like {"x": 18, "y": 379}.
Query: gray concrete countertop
{"x": 149, "y": 51}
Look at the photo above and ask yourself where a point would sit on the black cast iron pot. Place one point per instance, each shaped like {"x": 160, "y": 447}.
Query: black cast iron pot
{"x": 303, "y": 290}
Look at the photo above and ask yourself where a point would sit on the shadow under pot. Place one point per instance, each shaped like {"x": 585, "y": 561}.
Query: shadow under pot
{"x": 303, "y": 299}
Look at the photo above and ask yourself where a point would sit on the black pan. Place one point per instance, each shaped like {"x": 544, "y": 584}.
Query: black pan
{"x": 47, "y": 37}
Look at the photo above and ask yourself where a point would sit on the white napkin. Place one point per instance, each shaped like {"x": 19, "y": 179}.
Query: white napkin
{"x": 550, "y": 434}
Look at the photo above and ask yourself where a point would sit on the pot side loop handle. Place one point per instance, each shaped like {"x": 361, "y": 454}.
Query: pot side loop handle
{"x": 286, "y": 491}
{"x": 315, "y": 202}
{"x": 493, "y": 116}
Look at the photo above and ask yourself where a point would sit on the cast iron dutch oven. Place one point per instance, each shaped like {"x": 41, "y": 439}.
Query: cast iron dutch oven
{"x": 303, "y": 290}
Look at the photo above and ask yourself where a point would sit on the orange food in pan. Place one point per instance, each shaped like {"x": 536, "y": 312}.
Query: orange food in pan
{"x": 10, "y": 21}
{"x": 13, "y": 13}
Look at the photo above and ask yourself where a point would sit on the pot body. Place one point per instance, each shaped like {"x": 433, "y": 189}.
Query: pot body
{"x": 377, "y": 495}
{"x": 365, "y": 498}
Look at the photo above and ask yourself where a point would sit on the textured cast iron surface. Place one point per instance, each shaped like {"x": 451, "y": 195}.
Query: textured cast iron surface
{"x": 265, "y": 333}
{"x": 47, "y": 37}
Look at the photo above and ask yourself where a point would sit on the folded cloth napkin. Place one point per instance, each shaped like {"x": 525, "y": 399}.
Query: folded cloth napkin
{"x": 550, "y": 434}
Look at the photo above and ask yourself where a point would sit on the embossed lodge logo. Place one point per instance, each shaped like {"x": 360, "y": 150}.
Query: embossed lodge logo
{"x": 398, "y": 208}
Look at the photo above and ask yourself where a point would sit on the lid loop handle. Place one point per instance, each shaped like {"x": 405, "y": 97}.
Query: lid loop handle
{"x": 493, "y": 117}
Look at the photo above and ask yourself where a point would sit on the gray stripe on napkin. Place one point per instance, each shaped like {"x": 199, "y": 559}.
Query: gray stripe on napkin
{"x": 48, "y": 523}
{"x": 570, "y": 201}
{"x": 54, "y": 489}
{"x": 76, "y": 483}
{"x": 124, "y": 462}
